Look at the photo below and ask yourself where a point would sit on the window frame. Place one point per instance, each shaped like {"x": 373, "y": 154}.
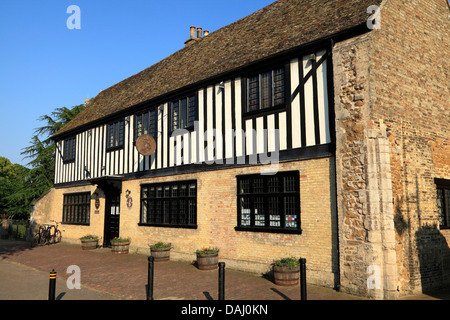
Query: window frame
{"x": 161, "y": 202}
{"x": 190, "y": 124}
{"x": 274, "y": 106}
{"x": 281, "y": 195}
{"x": 70, "y": 202}
{"x": 444, "y": 186}
{"x": 146, "y": 113}
{"x": 118, "y": 126}
{"x": 69, "y": 149}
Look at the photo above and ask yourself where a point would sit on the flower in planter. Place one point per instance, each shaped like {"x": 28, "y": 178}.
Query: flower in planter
{"x": 206, "y": 251}
{"x": 286, "y": 262}
{"x": 89, "y": 237}
{"x": 120, "y": 240}
{"x": 161, "y": 245}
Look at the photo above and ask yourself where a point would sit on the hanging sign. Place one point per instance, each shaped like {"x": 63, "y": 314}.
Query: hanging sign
{"x": 146, "y": 145}
{"x": 129, "y": 202}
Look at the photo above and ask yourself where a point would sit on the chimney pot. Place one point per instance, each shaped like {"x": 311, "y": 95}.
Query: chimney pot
{"x": 192, "y": 32}
{"x": 205, "y": 33}
{"x": 199, "y": 32}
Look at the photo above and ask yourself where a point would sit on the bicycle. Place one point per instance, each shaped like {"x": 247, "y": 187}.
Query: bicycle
{"x": 55, "y": 236}
{"x": 47, "y": 234}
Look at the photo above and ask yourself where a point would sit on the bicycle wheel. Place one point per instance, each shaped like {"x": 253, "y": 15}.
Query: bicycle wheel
{"x": 57, "y": 236}
{"x": 44, "y": 239}
{"x": 51, "y": 235}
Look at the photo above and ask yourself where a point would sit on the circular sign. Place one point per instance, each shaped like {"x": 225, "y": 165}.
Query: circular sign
{"x": 146, "y": 145}
{"x": 129, "y": 202}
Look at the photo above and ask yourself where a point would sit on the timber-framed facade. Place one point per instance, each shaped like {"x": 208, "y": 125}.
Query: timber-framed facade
{"x": 298, "y": 142}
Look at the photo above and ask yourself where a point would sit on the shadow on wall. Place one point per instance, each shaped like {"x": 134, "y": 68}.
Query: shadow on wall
{"x": 434, "y": 259}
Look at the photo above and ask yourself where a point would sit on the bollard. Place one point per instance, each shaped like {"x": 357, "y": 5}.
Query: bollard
{"x": 52, "y": 285}
{"x": 221, "y": 280}
{"x": 151, "y": 261}
{"x": 303, "y": 279}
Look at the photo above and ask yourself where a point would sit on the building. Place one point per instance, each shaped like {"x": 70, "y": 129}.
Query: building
{"x": 315, "y": 129}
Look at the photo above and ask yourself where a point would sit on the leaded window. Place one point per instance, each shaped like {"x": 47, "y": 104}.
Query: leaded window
{"x": 146, "y": 123}
{"x": 269, "y": 202}
{"x": 266, "y": 90}
{"x": 172, "y": 204}
{"x": 115, "y": 135}
{"x": 443, "y": 203}
{"x": 184, "y": 113}
{"x": 76, "y": 208}
{"x": 69, "y": 152}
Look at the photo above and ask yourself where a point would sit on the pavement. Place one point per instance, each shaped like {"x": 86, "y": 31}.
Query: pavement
{"x": 24, "y": 275}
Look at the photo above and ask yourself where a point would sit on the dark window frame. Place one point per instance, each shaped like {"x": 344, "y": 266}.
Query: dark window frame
{"x": 118, "y": 135}
{"x": 166, "y": 209}
{"x": 149, "y": 126}
{"x": 76, "y": 208}
{"x": 247, "y": 79}
{"x": 188, "y": 116}
{"x": 266, "y": 200}
{"x": 69, "y": 150}
{"x": 443, "y": 188}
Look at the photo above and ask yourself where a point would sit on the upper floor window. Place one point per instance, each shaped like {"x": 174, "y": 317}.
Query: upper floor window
{"x": 269, "y": 202}
{"x": 443, "y": 202}
{"x": 266, "y": 90}
{"x": 115, "y": 135}
{"x": 69, "y": 149}
{"x": 146, "y": 123}
{"x": 184, "y": 113}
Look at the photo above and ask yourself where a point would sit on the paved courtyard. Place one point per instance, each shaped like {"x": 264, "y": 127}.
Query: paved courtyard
{"x": 107, "y": 276}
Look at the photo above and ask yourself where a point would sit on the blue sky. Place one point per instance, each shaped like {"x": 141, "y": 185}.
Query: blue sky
{"x": 45, "y": 65}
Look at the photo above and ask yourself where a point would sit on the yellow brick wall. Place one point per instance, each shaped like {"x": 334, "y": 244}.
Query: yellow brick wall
{"x": 217, "y": 218}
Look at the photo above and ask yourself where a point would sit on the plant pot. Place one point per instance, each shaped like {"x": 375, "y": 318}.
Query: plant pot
{"x": 120, "y": 247}
{"x": 162, "y": 254}
{"x": 89, "y": 244}
{"x": 207, "y": 261}
{"x": 286, "y": 276}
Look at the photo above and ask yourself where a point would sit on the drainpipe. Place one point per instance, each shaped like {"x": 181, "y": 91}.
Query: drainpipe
{"x": 337, "y": 282}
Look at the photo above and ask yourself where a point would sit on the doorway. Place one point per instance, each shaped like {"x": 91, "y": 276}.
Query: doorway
{"x": 112, "y": 216}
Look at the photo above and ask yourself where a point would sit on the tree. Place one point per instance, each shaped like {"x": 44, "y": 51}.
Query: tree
{"x": 41, "y": 150}
{"x": 14, "y": 192}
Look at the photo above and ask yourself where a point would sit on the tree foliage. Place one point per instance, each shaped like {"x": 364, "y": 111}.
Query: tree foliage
{"x": 14, "y": 191}
{"x": 20, "y": 186}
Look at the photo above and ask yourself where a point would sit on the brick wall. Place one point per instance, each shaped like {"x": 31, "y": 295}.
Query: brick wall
{"x": 410, "y": 68}
{"x": 217, "y": 218}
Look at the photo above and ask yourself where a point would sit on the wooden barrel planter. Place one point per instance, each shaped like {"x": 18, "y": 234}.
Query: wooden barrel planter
{"x": 161, "y": 254}
{"x": 120, "y": 247}
{"x": 207, "y": 261}
{"x": 286, "y": 276}
{"x": 89, "y": 244}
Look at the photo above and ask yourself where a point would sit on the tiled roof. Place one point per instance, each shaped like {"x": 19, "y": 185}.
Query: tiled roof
{"x": 283, "y": 25}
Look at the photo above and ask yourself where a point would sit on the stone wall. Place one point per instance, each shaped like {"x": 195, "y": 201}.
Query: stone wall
{"x": 410, "y": 72}
{"x": 392, "y": 106}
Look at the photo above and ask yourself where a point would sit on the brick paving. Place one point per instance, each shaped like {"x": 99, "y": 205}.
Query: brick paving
{"x": 125, "y": 276}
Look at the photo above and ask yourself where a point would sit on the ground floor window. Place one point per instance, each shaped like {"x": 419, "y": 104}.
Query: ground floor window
{"x": 77, "y": 208}
{"x": 269, "y": 202}
{"x": 172, "y": 204}
{"x": 443, "y": 202}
